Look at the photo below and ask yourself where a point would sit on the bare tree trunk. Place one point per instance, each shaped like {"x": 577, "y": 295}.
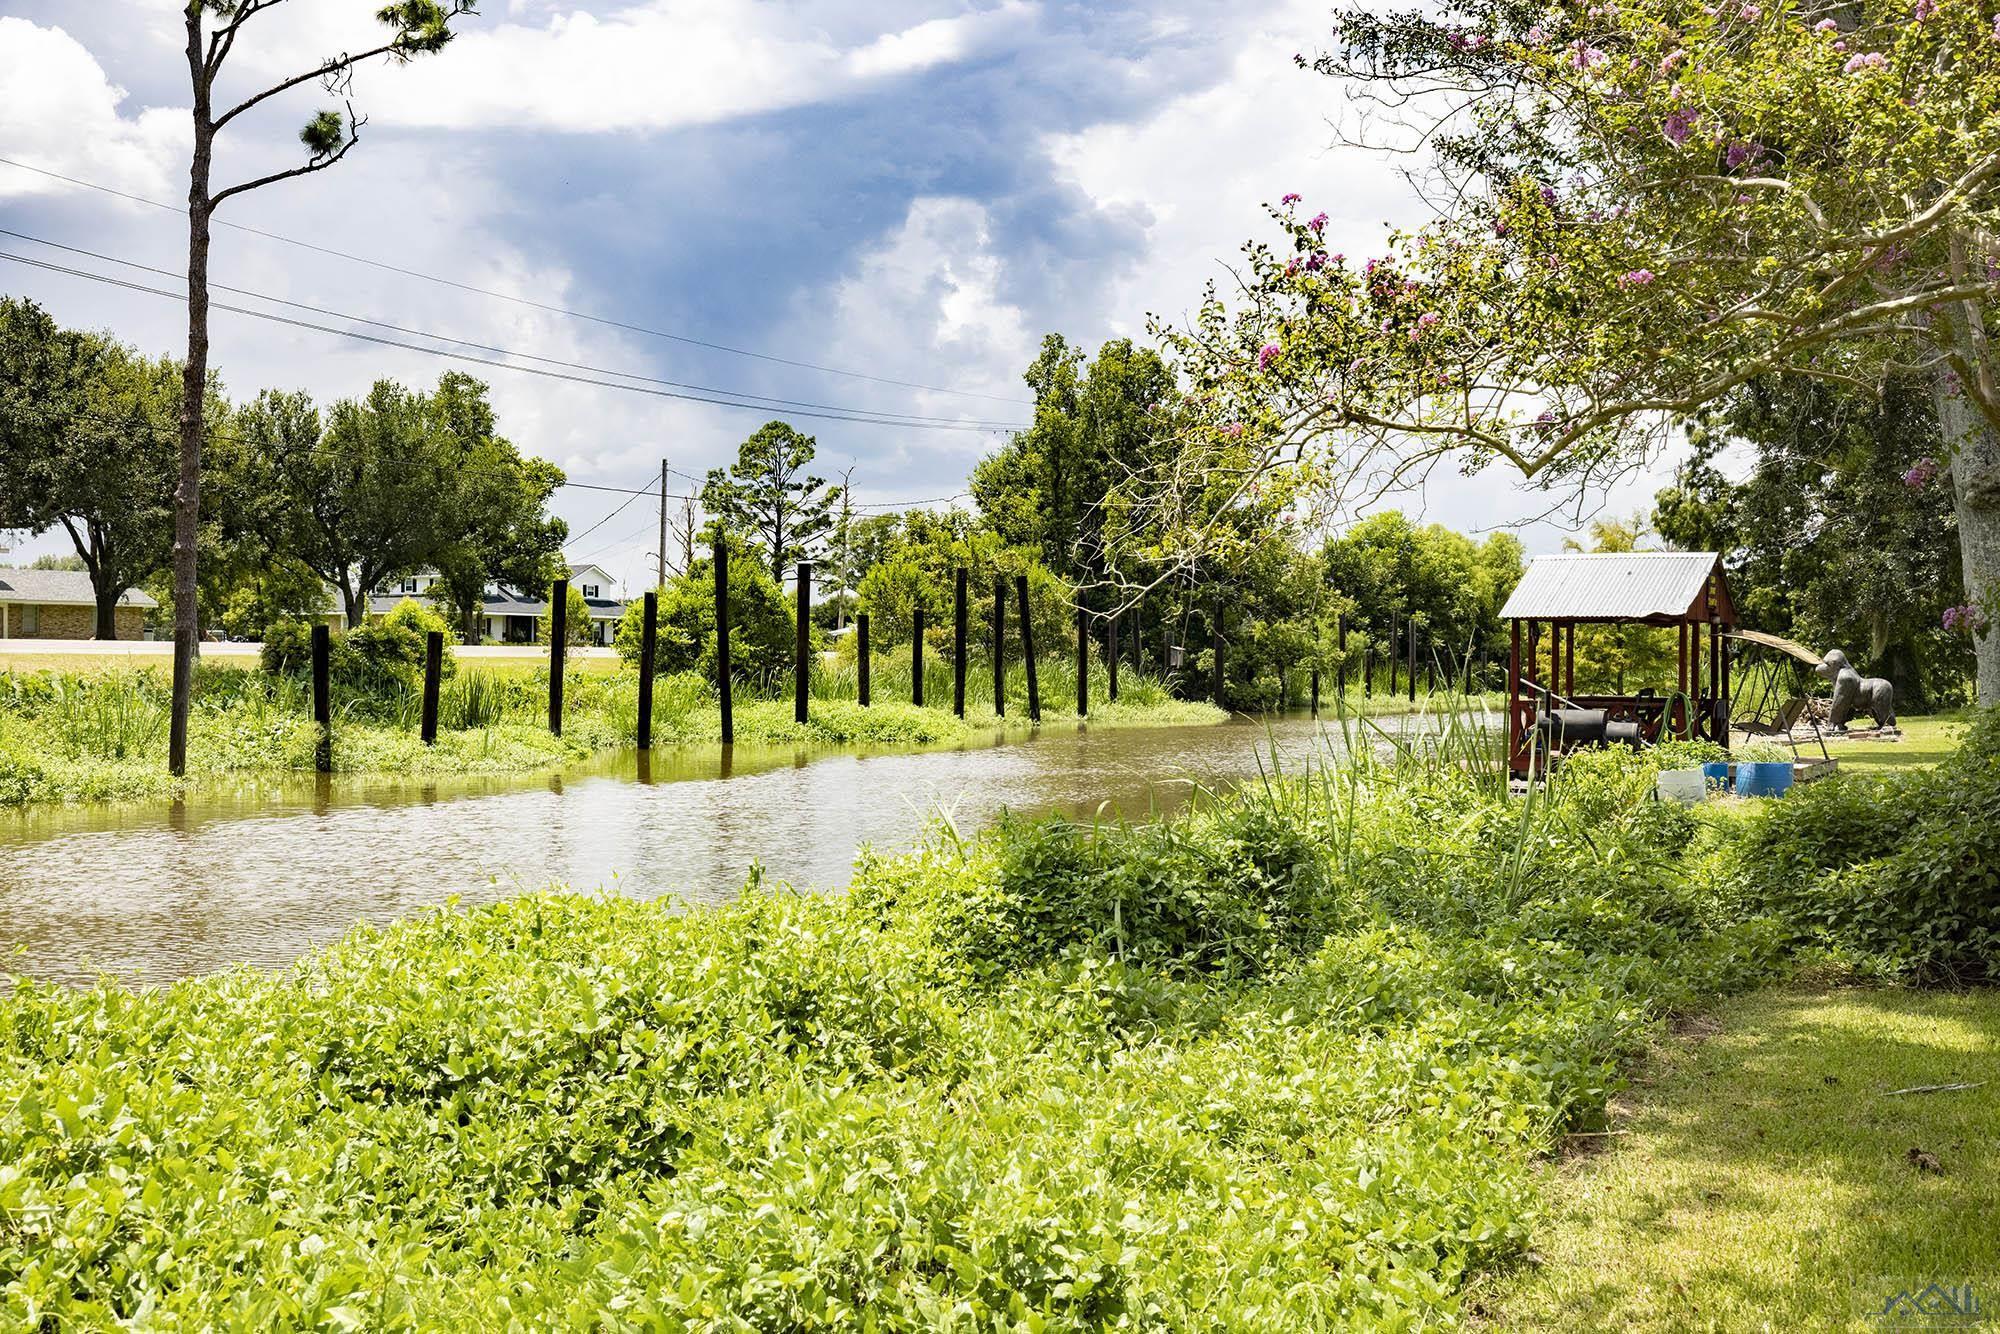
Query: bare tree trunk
{"x": 107, "y": 612}
{"x": 194, "y": 385}
{"x": 1975, "y": 478}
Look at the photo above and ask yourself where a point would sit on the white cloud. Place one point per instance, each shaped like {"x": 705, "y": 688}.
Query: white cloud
{"x": 59, "y": 110}
{"x": 666, "y": 64}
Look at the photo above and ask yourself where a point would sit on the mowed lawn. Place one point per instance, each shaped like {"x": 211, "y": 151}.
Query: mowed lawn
{"x": 160, "y": 658}
{"x": 1925, "y": 741}
{"x": 1764, "y": 1172}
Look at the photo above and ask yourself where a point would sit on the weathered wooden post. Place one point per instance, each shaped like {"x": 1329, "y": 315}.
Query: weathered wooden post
{"x": 1111, "y": 659}
{"x": 1340, "y": 672}
{"x": 1368, "y": 667}
{"x": 861, "y": 653}
{"x": 917, "y": 658}
{"x": 1000, "y": 646}
{"x": 649, "y": 652}
{"x": 1413, "y": 659}
{"x": 1315, "y": 690}
{"x": 1028, "y": 647}
{"x": 558, "y": 650}
{"x": 1215, "y": 642}
{"x": 322, "y": 686}
{"x": 1395, "y": 652}
{"x": 801, "y": 674}
{"x": 1082, "y": 663}
{"x": 433, "y": 670}
{"x": 958, "y": 643}
{"x": 722, "y": 672}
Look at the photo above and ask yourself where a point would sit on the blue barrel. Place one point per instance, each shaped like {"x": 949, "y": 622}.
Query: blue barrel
{"x": 1716, "y": 775}
{"x": 1771, "y": 778}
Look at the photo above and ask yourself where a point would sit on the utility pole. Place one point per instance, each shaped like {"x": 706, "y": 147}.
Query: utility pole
{"x": 846, "y": 549}
{"x": 662, "y": 580}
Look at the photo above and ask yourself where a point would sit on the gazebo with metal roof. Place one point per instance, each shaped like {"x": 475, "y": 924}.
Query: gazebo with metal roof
{"x": 1683, "y": 589}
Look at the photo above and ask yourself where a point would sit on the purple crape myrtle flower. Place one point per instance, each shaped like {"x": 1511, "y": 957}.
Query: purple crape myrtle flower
{"x": 1583, "y": 56}
{"x": 1635, "y": 278}
{"x": 1865, "y": 60}
{"x": 1925, "y": 10}
{"x": 1966, "y": 620}
{"x": 1548, "y": 194}
{"x": 1291, "y": 198}
{"x": 1537, "y": 35}
{"x": 1233, "y": 430}
{"x": 1739, "y": 153}
{"x": 1317, "y": 222}
{"x": 1267, "y": 354}
{"x": 1826, "y": 25}
{"x": 1920, "y": 473}
{"x": 1680, "y": 124}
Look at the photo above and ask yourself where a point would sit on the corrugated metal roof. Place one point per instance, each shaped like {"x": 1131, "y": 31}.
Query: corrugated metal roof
{"x": 60, "y": 588}
{"x": 1614, "y": 586}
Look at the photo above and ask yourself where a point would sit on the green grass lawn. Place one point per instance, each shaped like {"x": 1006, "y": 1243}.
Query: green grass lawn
{"x": 1761, "y": 1177}
{"x": 1925, "y": 741}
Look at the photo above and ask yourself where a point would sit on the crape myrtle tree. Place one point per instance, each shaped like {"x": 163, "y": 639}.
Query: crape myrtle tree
{"x": 409, "y": 28}
{"x": 1642, "y": 206}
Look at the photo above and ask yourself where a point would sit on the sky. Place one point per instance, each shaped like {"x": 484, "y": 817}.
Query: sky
{"x": 878, "y": 208}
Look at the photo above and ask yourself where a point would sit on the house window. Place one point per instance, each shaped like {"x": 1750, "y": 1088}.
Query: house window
{"x": 31, "y": 619}
{"x": 409, "y": 585}
{"x": 590, "y": 590}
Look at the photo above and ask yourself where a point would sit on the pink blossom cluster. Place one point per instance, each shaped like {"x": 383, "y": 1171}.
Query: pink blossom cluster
{"x": 1583, "y": 56}
{"x": 1826, "y": 25}
{"x": 1680, "y": 124}
{"x": 1267, "y": 354}
{"x": 1920, "y": 473}
{"x": 1864, "y": 60}
{"x": 1966, "y": 620}
{"x": 1636, "y": 278}
{"x": 1924, "y": 11}
{"x": 1537, "y": 35}
{"x": 1317, "y": 222}
{"x": 1291, "y": 197}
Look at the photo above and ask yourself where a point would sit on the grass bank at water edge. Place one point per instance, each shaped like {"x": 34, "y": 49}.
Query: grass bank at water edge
{"x": 102, "y": 736}
{"x": 1295, "y": 1060}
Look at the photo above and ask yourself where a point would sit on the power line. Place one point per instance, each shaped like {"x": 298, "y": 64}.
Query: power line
{"x": 616, "y": 511}
{"x": 899, "y": 418}
{"x": 860, "y": 416}
{"x": 517, "y": 300}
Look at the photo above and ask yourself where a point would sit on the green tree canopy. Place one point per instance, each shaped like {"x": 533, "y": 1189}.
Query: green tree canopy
{"x": 87, "y": 444}
{"x": 761, "y": 625}
{"x": 1045, "y": 489}
{"x": 1843, "y": 534}
{"x": 769, "y": 496}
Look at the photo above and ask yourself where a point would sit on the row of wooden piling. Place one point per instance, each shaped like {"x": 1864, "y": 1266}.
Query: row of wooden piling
{"x": 724, "y": 674}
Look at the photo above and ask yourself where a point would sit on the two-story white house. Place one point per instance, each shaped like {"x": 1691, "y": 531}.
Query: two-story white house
{"x": 512, "y": 615}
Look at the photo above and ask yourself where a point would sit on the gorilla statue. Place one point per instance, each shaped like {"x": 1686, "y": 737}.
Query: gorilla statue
{"x": 1852, "y": 691}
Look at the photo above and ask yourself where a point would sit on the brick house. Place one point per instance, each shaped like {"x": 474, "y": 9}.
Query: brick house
{"x": 60, "y": 604}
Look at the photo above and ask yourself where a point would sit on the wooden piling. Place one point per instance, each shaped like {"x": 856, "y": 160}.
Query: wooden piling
{"x": 1340, "y": 672}
{"x": 1111, "y": 659}
{"x": 722, "y": 671}
{"x": 649, "y": 654}
{"x": 1082, "y": 663}
{"x": 1000, "y": 646}
{"x": 433, "y": 671}
{"x": 1413, "y": 659}
{"x": 322, "y": 688}
{"x": 558, "y": 650}
{"x": 801, "y": 644}
{"x": 861, "y": 654}
{"x": 917, "y": 658}
{"x": 1028, "y": 648}
{"x": 958, "y": 645}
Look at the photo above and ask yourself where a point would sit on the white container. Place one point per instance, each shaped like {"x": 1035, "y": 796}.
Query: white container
{"x": 1689, "y": 787}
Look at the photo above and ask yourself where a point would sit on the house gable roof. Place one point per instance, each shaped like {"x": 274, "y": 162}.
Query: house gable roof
{"x": 1619, "y": 586}
{"x": 59, "y": 588}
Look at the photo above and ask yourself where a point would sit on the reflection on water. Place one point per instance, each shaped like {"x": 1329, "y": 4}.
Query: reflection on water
{"x": 263, "y": 873}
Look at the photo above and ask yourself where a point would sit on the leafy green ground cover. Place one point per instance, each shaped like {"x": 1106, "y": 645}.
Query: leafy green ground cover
{"x": 1768, "y": 1173}
{"x": 1293, "y": 1060}
{"x": 102, "y": 735}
